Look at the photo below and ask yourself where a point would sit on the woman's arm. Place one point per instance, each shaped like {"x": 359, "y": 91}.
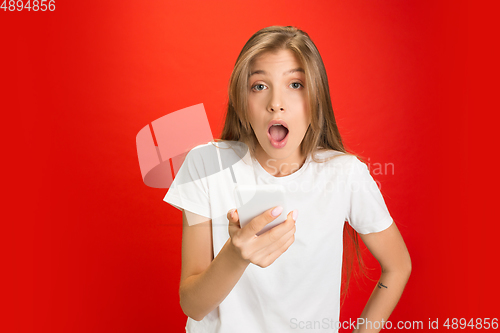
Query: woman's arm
{"x": 390, "y": 250}
{"x": 205, "y": 282}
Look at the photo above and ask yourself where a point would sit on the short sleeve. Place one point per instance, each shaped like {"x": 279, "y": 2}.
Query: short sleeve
{"x": 367, "y": 211}
{"x": 189, "y": 190}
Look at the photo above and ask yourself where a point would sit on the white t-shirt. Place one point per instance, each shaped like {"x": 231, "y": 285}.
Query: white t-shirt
{"x": 300, "y": 291}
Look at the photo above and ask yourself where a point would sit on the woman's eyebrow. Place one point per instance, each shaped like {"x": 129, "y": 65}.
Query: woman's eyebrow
{"x": 291, "y": 71}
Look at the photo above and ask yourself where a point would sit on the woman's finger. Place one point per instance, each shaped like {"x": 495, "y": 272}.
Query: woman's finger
{"x": 232, "y": 217}
{"x": 271, "y": 257}
{"x": 276, "y": 233}
{"x": 276, "y": 246}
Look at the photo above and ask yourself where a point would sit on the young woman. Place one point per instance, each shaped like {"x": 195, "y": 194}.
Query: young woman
{"x": 287, "y": 279}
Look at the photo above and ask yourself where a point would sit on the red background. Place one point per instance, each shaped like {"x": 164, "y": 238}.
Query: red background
{"x": 89, "y": 248}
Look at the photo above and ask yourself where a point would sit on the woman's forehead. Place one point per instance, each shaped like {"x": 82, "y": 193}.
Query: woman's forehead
{"x": 281, "y": 59}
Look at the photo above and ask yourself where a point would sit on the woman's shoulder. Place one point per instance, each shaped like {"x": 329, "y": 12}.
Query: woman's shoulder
{"x": 221, "y": 152}
{"x": 222, "y": 144}
{"x": 334, "y": 162}
{"x": 322, "y": 155}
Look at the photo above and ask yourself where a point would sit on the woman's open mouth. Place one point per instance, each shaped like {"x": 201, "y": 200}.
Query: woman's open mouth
{"x": 277, "y": 132}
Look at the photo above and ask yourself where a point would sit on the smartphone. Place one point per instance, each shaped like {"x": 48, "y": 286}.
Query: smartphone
{"x": 253, "y": 200}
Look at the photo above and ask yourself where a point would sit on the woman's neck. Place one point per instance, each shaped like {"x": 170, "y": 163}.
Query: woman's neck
{"x": 280, "y": 167}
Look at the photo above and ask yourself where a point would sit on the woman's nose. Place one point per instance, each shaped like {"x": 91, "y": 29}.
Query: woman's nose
{"x": 276, "y": 103}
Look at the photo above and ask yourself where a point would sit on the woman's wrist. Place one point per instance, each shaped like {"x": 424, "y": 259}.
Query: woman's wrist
{"x": 235, "y": 256}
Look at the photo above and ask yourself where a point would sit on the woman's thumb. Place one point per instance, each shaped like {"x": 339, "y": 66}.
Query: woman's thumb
{"x": 232, "y": 216}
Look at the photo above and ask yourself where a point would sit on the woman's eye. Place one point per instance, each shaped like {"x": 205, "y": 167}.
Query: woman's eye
{"x": 259, "y": 87}
{"x": 296, "y": 85}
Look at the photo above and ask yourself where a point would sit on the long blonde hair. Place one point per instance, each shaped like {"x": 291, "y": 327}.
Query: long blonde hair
{"x": 322, "y": 134}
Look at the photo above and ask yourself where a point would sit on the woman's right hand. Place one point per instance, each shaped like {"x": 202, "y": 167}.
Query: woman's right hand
{"x": 261, "y": 250}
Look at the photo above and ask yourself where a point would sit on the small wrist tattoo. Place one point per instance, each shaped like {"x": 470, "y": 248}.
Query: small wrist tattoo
{"x": 380, "y": 285}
